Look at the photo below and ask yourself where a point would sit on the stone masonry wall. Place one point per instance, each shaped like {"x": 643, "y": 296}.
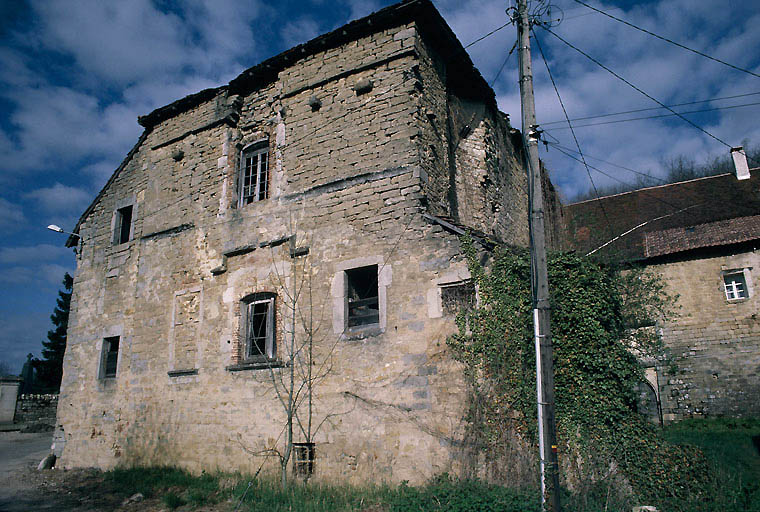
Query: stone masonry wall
{"x": 349, "y": 189}
{"x": 472, "y": 170}
{"x": 36, "y": 409}
{"x": 715, "y": 343}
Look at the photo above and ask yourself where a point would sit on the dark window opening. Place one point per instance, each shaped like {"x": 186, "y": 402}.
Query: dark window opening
{"x": 254, "y": 175}
{"x": 457, "y": 297}
{"x": 363, "y": 303}
{"x": 259, "y": 334}
{"x": 110, "y": 356}
{"x": 303, "y": 459}
{"x": 123, "y": 226}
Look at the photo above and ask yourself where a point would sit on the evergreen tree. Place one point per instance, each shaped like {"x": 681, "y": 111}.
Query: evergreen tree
{"x": 50, "y": 367}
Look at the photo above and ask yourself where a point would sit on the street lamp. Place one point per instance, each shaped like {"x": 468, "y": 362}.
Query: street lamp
{"x": 58, "y": 229}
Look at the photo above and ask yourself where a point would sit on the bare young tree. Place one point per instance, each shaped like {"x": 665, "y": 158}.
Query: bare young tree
{"x": 307, "y": 355}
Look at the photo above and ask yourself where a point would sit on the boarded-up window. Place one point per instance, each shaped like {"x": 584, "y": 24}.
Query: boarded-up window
{"x": 362, "y": 296}
{"x": 185, "y": 333}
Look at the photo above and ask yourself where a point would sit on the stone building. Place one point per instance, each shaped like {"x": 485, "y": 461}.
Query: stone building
{"x": 701, "y": 236}
{"x": 313, "y": 205}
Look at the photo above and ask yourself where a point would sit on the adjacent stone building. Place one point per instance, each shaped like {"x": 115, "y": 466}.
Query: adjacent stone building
{"x": 702, "y": 237}
{"x": 313, "y": 204}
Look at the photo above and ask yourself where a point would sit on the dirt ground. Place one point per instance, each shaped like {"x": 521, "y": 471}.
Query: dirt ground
{"x": 28, "y": 489}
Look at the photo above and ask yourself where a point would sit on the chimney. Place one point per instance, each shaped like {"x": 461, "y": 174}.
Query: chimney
{"x": 740, "y": 163}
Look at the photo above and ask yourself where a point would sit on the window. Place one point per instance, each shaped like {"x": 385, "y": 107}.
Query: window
{"x": 735, "y": 286}
{"x": 254, "y": 173}
{"x": 457, "y": 297}
{"x": 362, "y": 298}
{"x": 110, "y": 357}
{"x": 122, "y": 228}
{"x": 259, "y": 325}
{"x": 303, "y": 459}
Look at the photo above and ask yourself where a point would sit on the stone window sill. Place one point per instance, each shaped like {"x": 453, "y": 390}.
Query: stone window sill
{"x": 360, "y": 333}
{"x": 256, "y": 365}
{"x": 182, "y": 373}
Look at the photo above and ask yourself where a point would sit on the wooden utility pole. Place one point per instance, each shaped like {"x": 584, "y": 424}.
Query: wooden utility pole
{"x": 547, "y": 434}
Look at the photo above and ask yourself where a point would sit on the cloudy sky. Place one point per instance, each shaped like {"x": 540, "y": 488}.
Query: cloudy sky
{"x": 75, "y": 74}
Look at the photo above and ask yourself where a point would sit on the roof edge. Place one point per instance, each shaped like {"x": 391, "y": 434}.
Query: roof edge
{"x": 71, "y": 241}
{"x": 421, "y": 11}
{"x": 650, "y": 188}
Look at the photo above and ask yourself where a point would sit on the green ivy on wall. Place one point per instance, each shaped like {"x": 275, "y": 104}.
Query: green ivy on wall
{"x": 601, "y": 324}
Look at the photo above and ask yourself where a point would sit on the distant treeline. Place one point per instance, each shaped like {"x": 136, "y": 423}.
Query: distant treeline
{"x": 679, "y": 168}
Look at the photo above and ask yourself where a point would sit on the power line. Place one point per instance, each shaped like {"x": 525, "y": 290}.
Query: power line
{"x": 598, "y": 116}
{"x": 560, "y": 146}
{"x": 570, "y": 125}
{"x": 668, "y": 40}
{"x": 633, "y": 187}
{"x": 588, "y": 13}
{"x": 503, "y": 64}
{"x": 661, "y": 115}
{"x": 636, "y": 88}
{"x": 487, "y": 35}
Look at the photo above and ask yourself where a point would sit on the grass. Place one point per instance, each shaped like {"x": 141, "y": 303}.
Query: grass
{"x": 731, "y": 445}
{"x": 733, "y": 448}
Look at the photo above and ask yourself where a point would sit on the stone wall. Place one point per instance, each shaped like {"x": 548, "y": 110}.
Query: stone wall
{"x": 467, "y": 155}
{"x": 714, "y": 342}
{"x": 9, "y": 387}
{"x": 37, "y": 410}
{"x": 350, "y": 184}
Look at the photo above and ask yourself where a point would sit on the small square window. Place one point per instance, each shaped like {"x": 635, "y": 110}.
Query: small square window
{"x": 456, "y": 297}
{"x": 122, "y": 228}
{"x": 303, "y": 459}
{"x": 110, "y": 357}
{"x": 735, "y": 286}
{"x": 253, "y": 179}
{"x": 259, "y": 327}
{"x": 362, "y": 298}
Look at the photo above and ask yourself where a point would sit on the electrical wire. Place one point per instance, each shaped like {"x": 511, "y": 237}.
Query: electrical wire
{"x": 649, "y": 176}
{"x": 599, "y": 116}
{"x": 633, "y": 188}
{"x": 502, "y": 65}
{"x": 660, "y": 116}
{"x": 592, "y": 59}
{"x": 667, "y": 40}
{"x": 570, "y": 125}
{"x": 487, "y": 35}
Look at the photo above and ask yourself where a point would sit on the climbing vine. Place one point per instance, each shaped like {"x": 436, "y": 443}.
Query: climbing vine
{"x": 602, "y": 323}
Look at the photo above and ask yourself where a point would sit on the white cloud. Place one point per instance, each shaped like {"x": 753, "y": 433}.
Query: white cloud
{"x": 299, "y": 31}
{"x": 120, "y": 42}
{"x": 361, "y": 8}
{"x": 664, "y": 71}
{"x": 60, "y": 198}
{"x": 11, "y": 216}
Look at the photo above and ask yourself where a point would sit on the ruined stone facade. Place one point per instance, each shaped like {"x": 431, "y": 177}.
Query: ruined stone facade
{"x": 701, "y": 237}
{"x": 317, "y": 198}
